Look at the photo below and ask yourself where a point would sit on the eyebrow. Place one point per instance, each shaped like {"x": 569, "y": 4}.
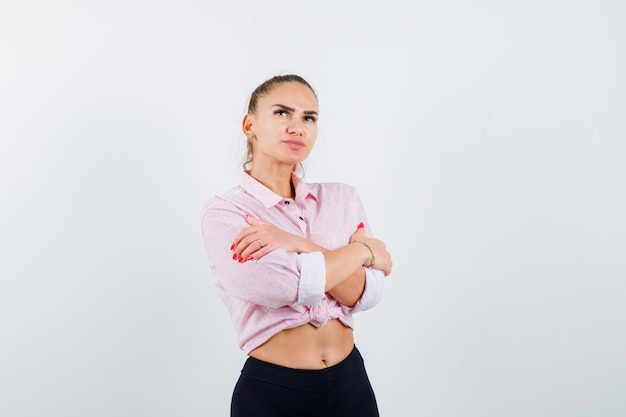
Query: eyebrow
{"x": 291, "y": 109}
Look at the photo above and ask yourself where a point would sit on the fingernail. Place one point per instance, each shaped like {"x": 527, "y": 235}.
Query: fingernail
{"x": 240, "y": 259}
{"x": 232, "y": 246}
{"x": 361, "y": 225}
{"x": 251, "y": 258}
{"x": 234, "y": 256}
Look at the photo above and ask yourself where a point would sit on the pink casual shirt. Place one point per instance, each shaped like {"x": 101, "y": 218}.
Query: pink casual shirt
{"x": 283, "y": 290}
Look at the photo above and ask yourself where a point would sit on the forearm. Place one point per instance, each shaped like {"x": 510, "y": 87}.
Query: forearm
{"x": 350, "y": 291}
{"x": 344, "y": 269}
{"x": 345, "y": 277}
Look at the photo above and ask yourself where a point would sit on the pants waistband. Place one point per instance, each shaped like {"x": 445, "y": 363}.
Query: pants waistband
{"x": 304, "y": 379}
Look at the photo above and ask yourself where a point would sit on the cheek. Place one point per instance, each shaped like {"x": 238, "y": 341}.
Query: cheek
{"x": 273, "y": 127}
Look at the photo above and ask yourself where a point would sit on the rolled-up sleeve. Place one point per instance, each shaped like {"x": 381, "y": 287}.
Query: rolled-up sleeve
{"x": 373, "y": 293}
{"x": 312, "y": 278}
{"x": 277, "y": 279}
{"x": 374, "y": 278}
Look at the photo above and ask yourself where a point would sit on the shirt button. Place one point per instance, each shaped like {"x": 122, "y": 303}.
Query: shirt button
{"x": 286, "y": 202}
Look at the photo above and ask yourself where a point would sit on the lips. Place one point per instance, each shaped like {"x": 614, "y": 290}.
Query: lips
{"x": 294, "y": 143}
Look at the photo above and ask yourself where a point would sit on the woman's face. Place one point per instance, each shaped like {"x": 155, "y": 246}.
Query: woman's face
{"x": 284, "y": 125}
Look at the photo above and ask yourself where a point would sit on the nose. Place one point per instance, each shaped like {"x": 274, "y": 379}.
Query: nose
{"x": 295, "y": 128}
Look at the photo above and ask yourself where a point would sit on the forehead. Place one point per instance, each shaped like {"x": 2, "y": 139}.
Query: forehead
{"x": 291, "y": 94}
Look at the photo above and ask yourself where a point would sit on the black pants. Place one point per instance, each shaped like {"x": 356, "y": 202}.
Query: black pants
{"x": 268, "y": 390}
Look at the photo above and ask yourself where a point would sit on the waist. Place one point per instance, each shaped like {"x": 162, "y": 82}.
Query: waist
{"x": 304, "y": 379}
{"x": 307, "y": 346}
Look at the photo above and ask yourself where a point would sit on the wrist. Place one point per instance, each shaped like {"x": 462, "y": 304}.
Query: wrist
{"x": 306, "y": 246}
{"x": 369, "y": 259}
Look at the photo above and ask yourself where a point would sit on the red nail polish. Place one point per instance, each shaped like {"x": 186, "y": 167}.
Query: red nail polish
{"x": 240, "y": 259}
{"x": 234, "y": 256}
{"x": 232, "y": 246}
{"x": 251, "y": 258}
{"x": 361, "y": 225}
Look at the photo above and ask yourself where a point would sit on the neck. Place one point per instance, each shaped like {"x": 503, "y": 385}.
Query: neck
{"x": 277, "y": 179}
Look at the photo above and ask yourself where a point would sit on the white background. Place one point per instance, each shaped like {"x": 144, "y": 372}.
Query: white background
{"x": 487, "y": 140}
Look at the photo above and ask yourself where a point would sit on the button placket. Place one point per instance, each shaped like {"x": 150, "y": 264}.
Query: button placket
{"x": 304, "y": 226}
{"x": 296, "y": 211}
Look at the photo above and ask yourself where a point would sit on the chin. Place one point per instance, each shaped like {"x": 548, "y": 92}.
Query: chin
{"x": 294, "y": 161}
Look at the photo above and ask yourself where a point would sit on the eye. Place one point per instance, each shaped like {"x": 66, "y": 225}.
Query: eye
{"x": 311, "y": 119}
{"x": 280, "y": 112}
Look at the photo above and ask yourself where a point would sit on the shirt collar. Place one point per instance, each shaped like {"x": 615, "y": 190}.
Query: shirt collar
{"x": 267, "y": 197}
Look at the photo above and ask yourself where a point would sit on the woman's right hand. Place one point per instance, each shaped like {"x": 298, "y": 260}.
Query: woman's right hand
{"x": 261, "y": 238}
{"x": 383, "y": 257}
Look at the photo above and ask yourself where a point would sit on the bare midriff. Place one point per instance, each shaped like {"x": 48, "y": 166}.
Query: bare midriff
{"x": 307, "y": 346}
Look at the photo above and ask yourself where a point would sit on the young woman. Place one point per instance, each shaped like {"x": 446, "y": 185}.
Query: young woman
{"x": 293, "y": 262}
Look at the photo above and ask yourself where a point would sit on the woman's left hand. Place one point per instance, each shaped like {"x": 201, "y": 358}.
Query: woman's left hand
{"x": 261, "y": 238}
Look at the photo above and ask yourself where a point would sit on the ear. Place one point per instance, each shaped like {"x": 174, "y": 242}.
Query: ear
{"x": 247, "y": 124}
